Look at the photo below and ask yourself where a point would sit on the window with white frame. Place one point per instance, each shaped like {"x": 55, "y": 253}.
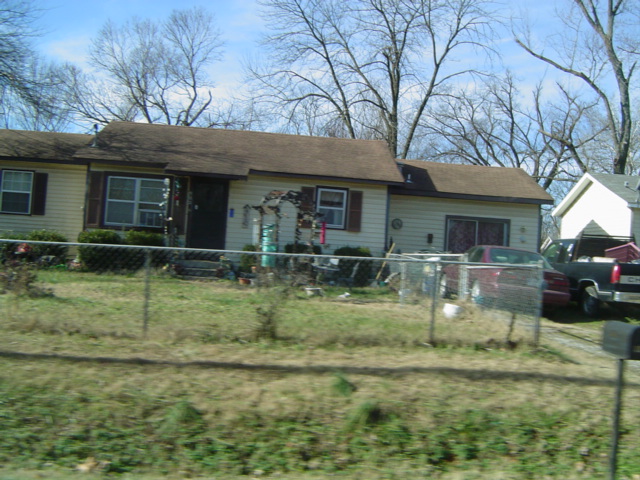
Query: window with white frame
{"x": 135, "y": 202}
{"x": 332, "y": 203}
{"x": 15, "y": 191}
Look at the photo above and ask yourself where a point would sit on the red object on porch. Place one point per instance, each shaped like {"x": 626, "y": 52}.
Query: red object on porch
{"x": 323, "y": 233}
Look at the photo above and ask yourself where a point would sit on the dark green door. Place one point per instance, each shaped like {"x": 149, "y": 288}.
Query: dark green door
{"x": 208, "y": 218}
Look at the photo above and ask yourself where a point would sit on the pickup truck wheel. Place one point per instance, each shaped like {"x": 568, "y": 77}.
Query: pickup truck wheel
{"x": 589, "y": 302}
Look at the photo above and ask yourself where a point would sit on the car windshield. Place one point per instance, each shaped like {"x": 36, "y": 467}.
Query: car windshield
{"x": 518, "y": 257}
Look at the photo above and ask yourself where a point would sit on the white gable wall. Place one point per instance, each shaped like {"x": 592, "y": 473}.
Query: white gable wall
{"x": 242, "y": 228}
{"x": 423, "y": 215}
{"x": 601, "y": 205}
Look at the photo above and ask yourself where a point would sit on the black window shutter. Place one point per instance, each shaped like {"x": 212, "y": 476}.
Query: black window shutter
{"x": 94, "y": 205}
{"x": 308, "y": 203}
{"x": 39, "y": 197}
{"x": 354, "y": 222}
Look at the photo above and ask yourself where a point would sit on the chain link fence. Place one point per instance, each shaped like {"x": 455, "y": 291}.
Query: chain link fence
{"x": 223, "y": 296}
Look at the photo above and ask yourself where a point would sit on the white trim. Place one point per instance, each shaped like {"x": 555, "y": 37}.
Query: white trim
{"x": 343, "y": 208}
{"x": 139, "y": 206}
{"x": 23, "y": 192}
{"x": 577, "y": 190}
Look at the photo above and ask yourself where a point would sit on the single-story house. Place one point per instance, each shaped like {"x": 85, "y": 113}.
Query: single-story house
{"x": 601, "y": 203}
{"x": 204, "y": 188}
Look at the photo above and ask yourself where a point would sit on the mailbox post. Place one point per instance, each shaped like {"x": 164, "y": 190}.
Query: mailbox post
{"x": 623, "y": 341}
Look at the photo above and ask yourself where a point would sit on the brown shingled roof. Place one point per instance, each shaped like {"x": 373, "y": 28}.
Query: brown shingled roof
{"x": 49, "y": 146}
{"x": 471, "y": 182}
{"x": 237, "y": 153}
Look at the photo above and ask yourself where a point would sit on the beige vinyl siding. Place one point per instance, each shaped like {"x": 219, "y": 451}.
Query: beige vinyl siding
{"x": 64, "y": 209}
{"x": 423, "y": 215}
{"x": 599, "y": 204}
{"x": 243, "y": 230}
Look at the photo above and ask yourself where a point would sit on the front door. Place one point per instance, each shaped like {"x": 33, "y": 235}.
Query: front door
{"x": 208, "y": 218}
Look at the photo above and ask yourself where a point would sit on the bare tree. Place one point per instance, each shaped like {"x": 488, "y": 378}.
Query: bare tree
{"x": 498, "y": 126}
{"x": 16, "y": 31}
{"x": 599, "y": 46}
{"x": 156, "y": 72}
{"x": 366, "y": 68}
{"x": 41, "y": 109}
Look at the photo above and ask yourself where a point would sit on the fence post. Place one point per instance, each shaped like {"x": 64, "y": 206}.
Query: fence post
{"x": 147, "y": 291}
{"x": 435, "y": 296}
{"x": 538, "y": 310}
{"x": 403, "y": 282}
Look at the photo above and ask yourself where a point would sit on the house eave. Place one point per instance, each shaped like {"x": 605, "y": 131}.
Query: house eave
{"x": 477, "y": 198}
{"x": 126, "y": 163}
{"x": 43, "y": 160}
{"x": 573, "y": 194}
{"x": 323, "y": 177}
{"x": 187, "y": 173}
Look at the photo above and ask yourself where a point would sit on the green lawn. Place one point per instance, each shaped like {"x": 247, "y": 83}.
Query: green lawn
{"x": 242, "y": 382}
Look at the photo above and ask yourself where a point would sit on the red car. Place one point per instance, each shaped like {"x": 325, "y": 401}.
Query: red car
{"x": 498, "y": 283}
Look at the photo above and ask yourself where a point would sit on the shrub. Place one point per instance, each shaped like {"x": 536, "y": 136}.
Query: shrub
{"x": 106, "y": 237}
{"x": 54, "y": 254}
{"x": 57, "y": 253}
{"x": 135, "y": 258}
{"x": 99, "y": 259}
{"x": 7, "y": 250}
{"x": 149, "y": 239}
{"x": 247, "y": 261}
{"x": 20, "y": 279}
{"x": 346, "y": 267}
{"x": 301, "y": 248}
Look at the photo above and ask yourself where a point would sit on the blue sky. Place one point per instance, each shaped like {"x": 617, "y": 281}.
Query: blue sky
{"x": 70, "y": 25}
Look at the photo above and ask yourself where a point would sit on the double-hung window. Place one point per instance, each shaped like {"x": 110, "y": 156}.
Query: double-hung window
{"x": 135, "y": 202}
{"x": 16, "y": 191}
{"x": 332, "y": 204}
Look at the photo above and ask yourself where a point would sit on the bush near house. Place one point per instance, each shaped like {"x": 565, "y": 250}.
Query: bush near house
{"x": 247, "y": 261}
{"x": 136, "y": 258}
{"x": 56, "y": 253}
{"x": 147, "y": 239}
{"x": 99, "y": 259}
{"x": 49, "y": 254}
{"x": 7, "y": 250}
{"x": 302, "y": 248}
{"x": 363, "y": 274}
{"x": 114, "y": 259}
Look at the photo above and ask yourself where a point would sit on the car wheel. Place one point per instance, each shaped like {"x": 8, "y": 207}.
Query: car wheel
{"x": 589, "y": 302}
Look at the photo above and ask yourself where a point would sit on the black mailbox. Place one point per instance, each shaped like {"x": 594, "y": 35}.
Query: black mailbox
{"x": 622, "y": 340}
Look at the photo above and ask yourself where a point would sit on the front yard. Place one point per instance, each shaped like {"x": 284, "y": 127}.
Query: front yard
{"x": 243, "y": 382}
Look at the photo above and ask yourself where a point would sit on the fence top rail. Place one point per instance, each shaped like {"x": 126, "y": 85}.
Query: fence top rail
{"x": 428, "y": 256}
{"x": 396, "y": 258}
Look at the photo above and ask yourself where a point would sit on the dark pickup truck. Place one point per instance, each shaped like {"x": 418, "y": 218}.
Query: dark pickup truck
{"x": 600, "y": 269}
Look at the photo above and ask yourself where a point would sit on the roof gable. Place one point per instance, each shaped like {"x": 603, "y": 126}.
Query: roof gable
{"x": 233, "y": 153}
{"x": 448, "y": 180}
{"x": 623, "y": 186}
